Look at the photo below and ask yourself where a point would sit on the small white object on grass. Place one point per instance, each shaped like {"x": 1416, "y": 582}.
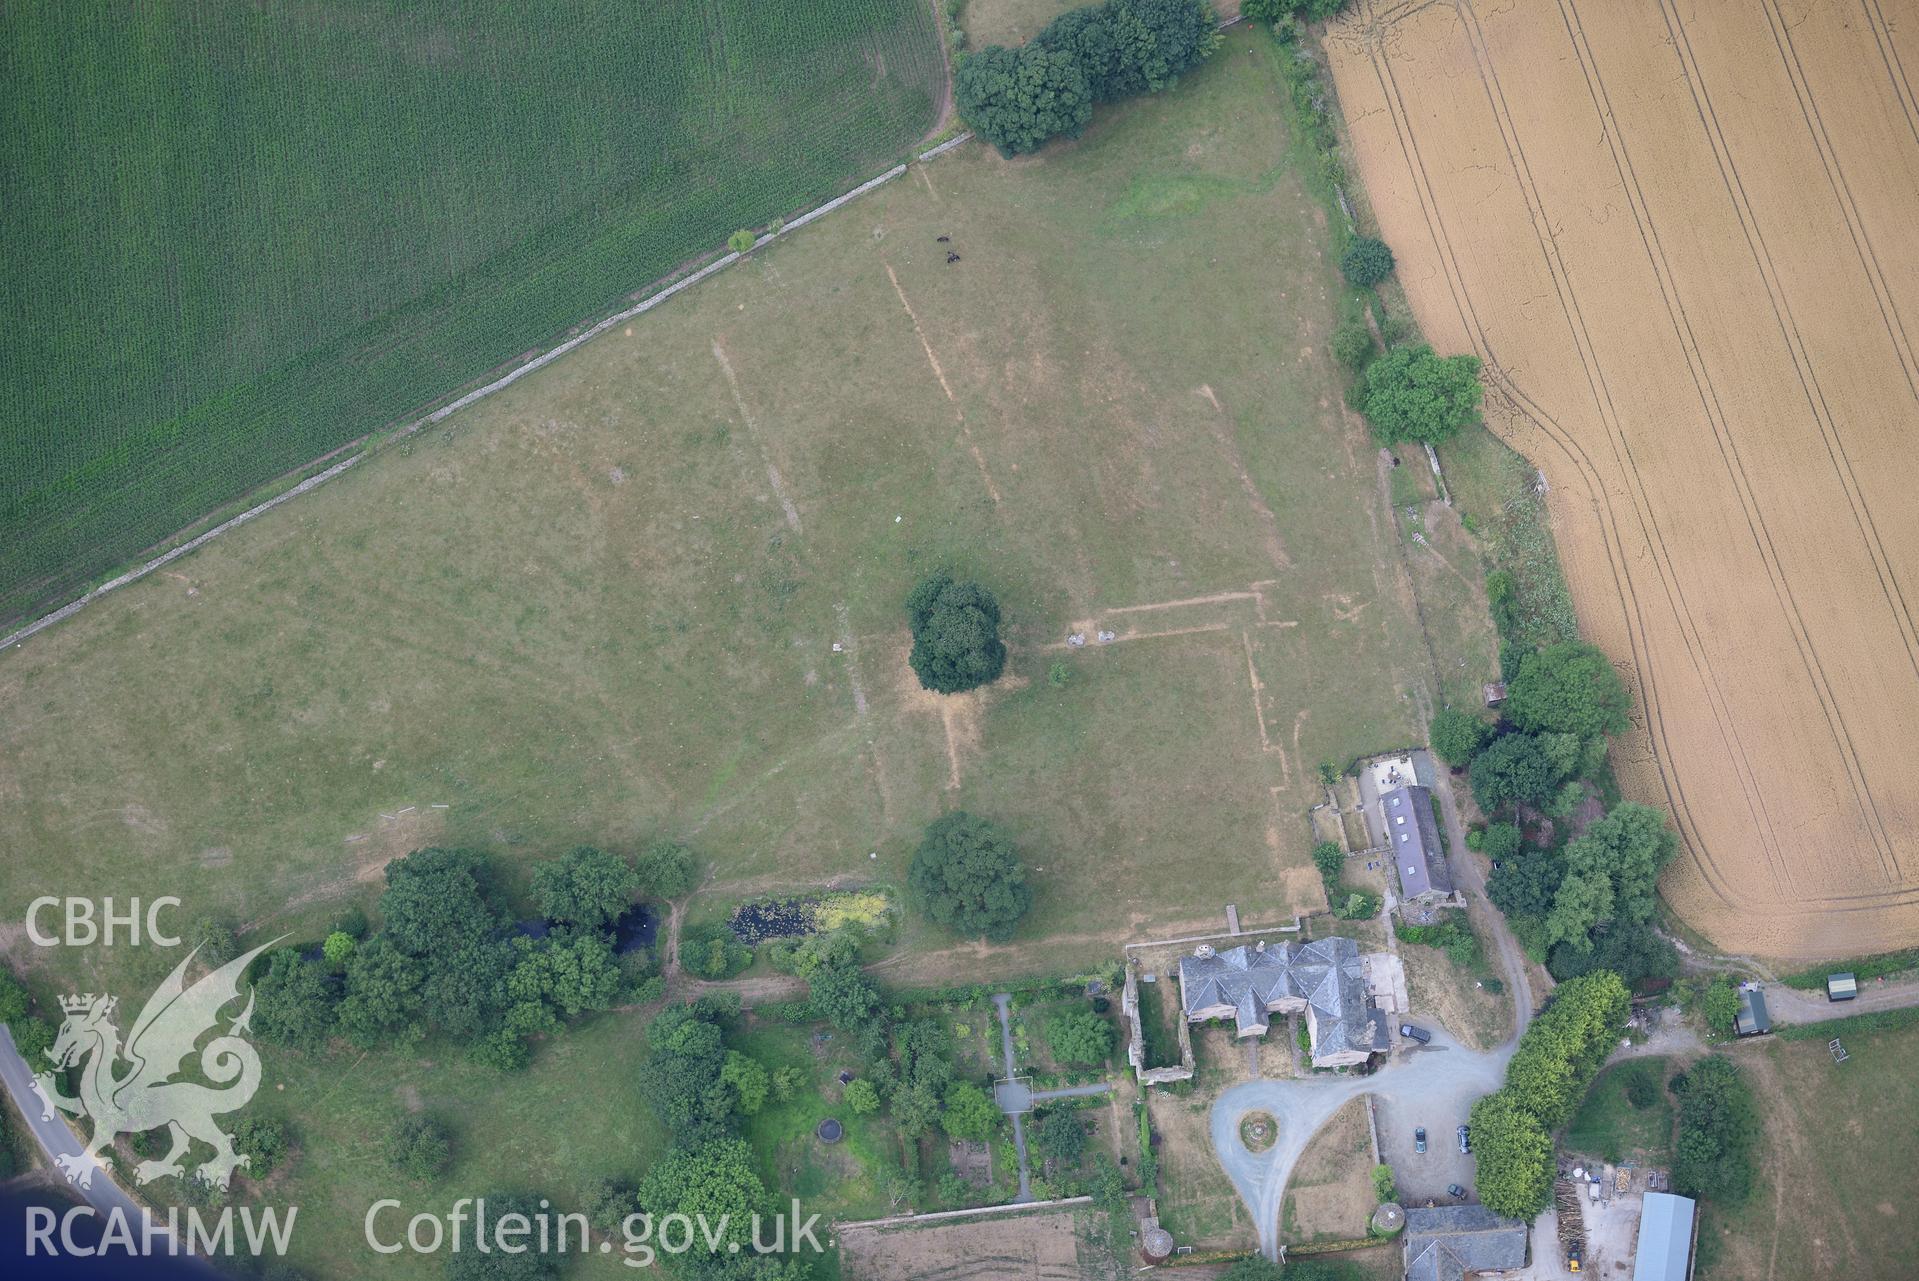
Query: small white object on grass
{"x": 898, "y": 519}
{"x": 838, "y": 648}
{"x": 874, "y": 854}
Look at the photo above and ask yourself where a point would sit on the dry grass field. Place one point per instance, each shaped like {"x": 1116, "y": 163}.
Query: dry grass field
{"x": 656, "y": 588}
{"x": 1835, "y": 1151}
{"x": 1679, "y": 235}
{"x": 1330, "y": 1196}
{"x": 1044, "y": 1246}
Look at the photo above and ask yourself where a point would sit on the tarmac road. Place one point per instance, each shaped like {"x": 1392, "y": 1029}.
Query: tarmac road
{"x": 57, "y": 1139}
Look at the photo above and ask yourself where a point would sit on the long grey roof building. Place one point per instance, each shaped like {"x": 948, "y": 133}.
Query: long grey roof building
{"x": 1412, "y": 837}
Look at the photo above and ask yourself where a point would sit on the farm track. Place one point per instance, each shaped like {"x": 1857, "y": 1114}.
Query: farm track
{"x": 1759, "y": 462}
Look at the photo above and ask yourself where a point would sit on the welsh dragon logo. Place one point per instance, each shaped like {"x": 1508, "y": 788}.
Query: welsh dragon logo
{"x": 141, "y": 1095}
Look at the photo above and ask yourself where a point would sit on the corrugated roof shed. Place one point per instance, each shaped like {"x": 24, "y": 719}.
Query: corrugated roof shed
{"x": 1841, "y": 987}
{"x": 1753, "y": 1019}
{"x": 1665, "y": 1238}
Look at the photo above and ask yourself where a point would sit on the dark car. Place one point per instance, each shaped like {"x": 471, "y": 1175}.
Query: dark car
{"x": 1419, "y": 1139}
{"x": 1413, "y": 1033}
{"x": 1453, "y": 1189}
{"x": 1465, "y": 1139}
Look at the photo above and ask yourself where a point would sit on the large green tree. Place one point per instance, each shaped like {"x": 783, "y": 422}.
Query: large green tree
{"x": 1184, "y": 34}
{"x": 1515, "y": 1157}
{"x": 967, "y": 875}
{"x": 1019, "y": 99}
{"x": 293, "y": 1001}
{"x": 666, "y": 869}
{"x": 685, "y": 1073}
{"x": 1060, "y": 1136}
{"x": 1718, "y": 1128}
{"x": 1515, "y": 769}
{"x": 1366, "y": 262}
{"x": 1412, "y": 394}
{"x": 1457, "y": 736}
{"x": 1633, "y": 952}
{"x": 1112, "y": 46}
{"x": 970, "y": 1112}
{"x": 1079, "y": 1037}
{"x": 718, "y": 1179}
{"x": 1611, "y": 874}
{"x": 956, "y": 644}
{"x": 382, "y": 1005}
{"x": 842, "y": 995}
{"x": 1568, "y": 688}
{"x": 586, "y": 886}
{"x": 435, "y": 903}
{"x": 466, "y": 1263}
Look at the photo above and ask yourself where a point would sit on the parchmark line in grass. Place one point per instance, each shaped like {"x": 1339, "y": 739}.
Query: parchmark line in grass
{"x": 952, "y": 745}
{"x": 966, "y": 434}
{"x": 753, "y": 434}
{"x": 1140, "y": 636}
{"x": 847, "y": 650}
{"x": 1217, "y": 598}
{"x": 1252, "y": 675}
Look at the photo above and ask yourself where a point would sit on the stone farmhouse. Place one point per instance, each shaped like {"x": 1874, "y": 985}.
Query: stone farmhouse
{"x": 1324, "y": 979}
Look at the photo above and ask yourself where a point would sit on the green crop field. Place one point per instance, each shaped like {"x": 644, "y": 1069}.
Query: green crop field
{"x": 242, "y": 235}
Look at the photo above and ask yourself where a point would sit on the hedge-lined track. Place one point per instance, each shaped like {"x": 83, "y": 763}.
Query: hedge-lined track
{"x": 240, "y": 238}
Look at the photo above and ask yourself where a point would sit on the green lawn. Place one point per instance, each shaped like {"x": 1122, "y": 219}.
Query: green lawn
{"x": 580, "y": 612}
{"x": 1610, "y": 1126}
{"x": 1836, "y": 1143}
{"x": 570, "y": 1118}
{"x": 244, "y": 235}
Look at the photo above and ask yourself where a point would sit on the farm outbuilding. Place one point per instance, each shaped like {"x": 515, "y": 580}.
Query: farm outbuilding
{"x": 1665, "y": 1238}
{"x": 1753, "y": 1019}
{"x": 1450, "y": 1242}
{"x": 1412, "y": 835}
{"x": 1841, "y": 987}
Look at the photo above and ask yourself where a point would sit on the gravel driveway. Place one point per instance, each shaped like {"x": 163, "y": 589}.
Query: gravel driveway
{"x": 1438, "y": 1082}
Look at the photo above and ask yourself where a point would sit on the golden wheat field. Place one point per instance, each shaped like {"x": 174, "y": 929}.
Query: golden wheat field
{"x": 1681, "y": 235}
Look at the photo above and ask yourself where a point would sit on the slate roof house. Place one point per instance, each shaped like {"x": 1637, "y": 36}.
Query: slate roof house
{"x": 1412, "y": 836}
{"x": 1449, "y": 1242}
{"x": 1324, "y": 978}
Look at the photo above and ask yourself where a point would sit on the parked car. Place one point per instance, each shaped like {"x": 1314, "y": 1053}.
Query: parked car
{"x": 1412, "y": 1033}
{"x": 1453, "y": 1189}
{"x": 1465, "y": 1139}
{"x": 1419, "y": 1139}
